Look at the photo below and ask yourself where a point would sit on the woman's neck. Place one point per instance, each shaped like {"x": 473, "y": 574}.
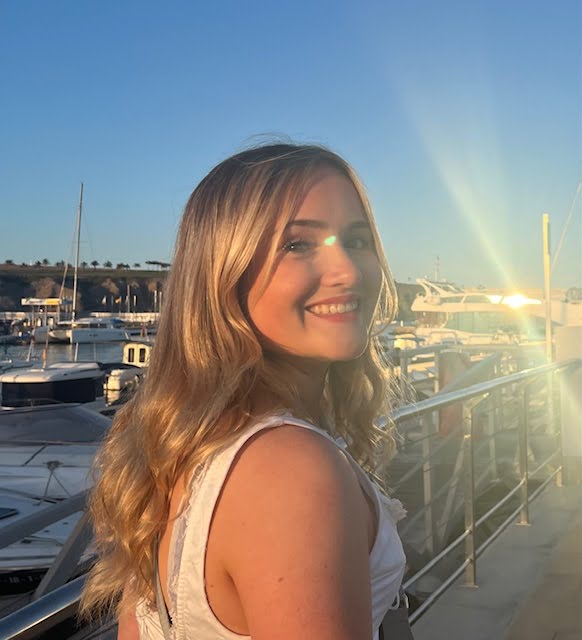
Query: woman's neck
{"x": 307, "y": 378}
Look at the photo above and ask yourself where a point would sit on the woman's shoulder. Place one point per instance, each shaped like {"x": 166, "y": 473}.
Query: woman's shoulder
{"x": 287, "y": 450}
{"x": 286, "y": 468}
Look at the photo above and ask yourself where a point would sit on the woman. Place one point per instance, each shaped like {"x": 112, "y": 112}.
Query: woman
{"x": 225, "y": 507}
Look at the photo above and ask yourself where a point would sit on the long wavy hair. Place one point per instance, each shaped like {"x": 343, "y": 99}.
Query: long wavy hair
{"x": 208, "y": 365}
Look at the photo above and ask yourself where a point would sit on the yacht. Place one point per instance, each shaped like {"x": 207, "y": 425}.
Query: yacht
{"x": 86, "y": 330}
{"x": 63, "y": 382}
{"x": 45, "y": 456}
{"x": 447, "y": 313}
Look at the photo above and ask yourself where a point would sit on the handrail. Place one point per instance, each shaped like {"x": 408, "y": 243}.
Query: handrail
{"x": 416, "y": 409}
{"x": 471, "y": 523}
{"x": 42, "y": 614}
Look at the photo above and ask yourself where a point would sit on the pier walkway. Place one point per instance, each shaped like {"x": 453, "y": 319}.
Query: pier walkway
{"x": 530, "y": 581}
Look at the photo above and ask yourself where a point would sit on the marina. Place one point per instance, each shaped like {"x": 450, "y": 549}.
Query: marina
{"x": 291, "y": 321}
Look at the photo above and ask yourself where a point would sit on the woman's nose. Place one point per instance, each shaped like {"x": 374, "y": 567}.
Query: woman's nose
{"x": 339, "y": 267}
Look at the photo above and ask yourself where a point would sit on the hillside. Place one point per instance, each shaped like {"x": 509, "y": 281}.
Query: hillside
{"x": 98, "y": 289}
{"x": 105, "y": 289}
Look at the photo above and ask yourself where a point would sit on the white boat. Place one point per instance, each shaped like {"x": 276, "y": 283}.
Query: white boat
{"x": 45, "y": 457}
{"x": 89, "y": 330}
{"x": 448, "y": 313}
{"x": 86, "y": 331}
{"x": 68, "y": 382}
{"x": 124, "y": 378}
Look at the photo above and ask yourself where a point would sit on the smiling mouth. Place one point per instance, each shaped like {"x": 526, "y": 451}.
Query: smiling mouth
{"x": 334, "y": 309}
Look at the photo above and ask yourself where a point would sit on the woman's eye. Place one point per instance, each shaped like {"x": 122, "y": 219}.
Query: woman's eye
{"x": 358, "y": 243}
{"x": 297, "y": 246}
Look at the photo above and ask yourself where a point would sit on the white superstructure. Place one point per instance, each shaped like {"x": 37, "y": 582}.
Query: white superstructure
{"x": 448, "y": 313}
{"x": 86, "y": 330}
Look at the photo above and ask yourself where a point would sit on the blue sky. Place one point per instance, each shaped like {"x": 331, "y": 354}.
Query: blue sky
{"x": 464, "y": 119}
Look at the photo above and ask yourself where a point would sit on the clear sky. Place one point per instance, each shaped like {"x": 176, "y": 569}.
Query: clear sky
{"x": 464, "y": 119}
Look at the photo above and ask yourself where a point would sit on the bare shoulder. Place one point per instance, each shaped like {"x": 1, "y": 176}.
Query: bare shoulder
{"x": 291, "y": 465}
{"x": 286, "y": 469}
{"x": 299, "y": 559}
{"x": 288, "y": 447}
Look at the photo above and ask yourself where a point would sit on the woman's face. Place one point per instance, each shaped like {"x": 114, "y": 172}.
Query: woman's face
{"x": 319, "y": 300}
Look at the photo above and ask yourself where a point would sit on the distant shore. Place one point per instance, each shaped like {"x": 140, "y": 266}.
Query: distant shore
{"x": 102, "y": 289}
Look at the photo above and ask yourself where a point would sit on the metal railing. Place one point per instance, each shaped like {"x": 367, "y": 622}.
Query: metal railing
{"x": 469, "y": 398}
{"x": 61, "y": 603}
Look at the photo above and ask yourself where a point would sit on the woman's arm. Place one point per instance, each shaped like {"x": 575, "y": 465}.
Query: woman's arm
{"x": 299, "y": 559}
{"x": 127, "y": 627}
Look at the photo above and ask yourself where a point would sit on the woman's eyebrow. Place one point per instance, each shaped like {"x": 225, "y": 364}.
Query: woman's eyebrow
{"x": 320, "y": 224}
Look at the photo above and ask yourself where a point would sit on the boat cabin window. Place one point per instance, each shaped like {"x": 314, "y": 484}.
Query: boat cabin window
{"x": 142, "y": 354}
{"x": 131, "y": 355}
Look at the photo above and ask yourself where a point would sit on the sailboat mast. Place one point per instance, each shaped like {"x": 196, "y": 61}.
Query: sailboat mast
{"x": 75, "y": 281}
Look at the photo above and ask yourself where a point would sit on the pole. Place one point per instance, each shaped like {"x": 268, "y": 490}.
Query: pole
{"x": 523, "y": 428}
{"x": 548, "y": 292}
{"x": 470, "y": 542}
{"x": 547, "y": 283}
{"x": 75, "y": 284}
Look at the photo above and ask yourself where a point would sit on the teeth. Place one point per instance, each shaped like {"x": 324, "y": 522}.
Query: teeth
{"x": 329, "y": 309}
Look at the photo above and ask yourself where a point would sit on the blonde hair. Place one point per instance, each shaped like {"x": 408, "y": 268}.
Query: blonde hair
{"x": 207, "y": 364}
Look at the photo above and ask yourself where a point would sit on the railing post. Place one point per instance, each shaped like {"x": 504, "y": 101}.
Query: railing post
{"x": 427, "y": 476}
{"x": 523, "y": 427}
{"x": 437, "y": 388}
{"x": 492, "y": 432}
{"x": 497, "y": 401}
{"x": 557, "y": 428}
{"x": 470, "y": 545}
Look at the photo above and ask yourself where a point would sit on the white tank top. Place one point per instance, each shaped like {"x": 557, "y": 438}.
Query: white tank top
{"x": 189, "y": 609}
